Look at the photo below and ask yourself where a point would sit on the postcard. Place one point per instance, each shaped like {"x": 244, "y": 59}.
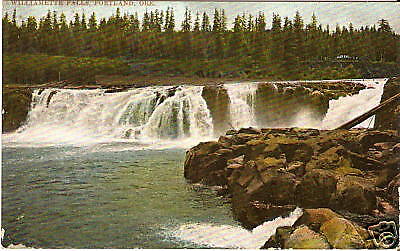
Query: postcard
{"x": 196, "y": 124}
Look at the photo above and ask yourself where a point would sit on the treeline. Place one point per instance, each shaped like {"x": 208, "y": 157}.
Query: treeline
{"x": 199, "y": 36}
{"x": 40, "y": 68}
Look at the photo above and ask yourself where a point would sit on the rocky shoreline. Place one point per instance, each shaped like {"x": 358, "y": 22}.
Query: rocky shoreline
{"x": 270, "y": 172}
{"x": 345, "y": 180}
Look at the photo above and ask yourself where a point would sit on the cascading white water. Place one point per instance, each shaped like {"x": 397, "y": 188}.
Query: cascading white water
{"x": 62, "y": 116}
{"x": 155, "y": 115}
{"x": 347, "y": 108}
{"x": 242, "y": 101}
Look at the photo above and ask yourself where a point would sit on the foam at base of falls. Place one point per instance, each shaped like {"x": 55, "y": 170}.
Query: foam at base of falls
{"x": 225, "y": 236}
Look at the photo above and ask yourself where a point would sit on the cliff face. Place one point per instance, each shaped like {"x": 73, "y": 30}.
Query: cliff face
{"x": 217, "y": 100}
{"x": 270, "y": 172}
{"x": 16, "y": 104}
{"x": 389, "y": 119}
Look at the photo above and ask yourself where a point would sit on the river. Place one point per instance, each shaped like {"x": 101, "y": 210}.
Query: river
{"x": 105, "y": 170}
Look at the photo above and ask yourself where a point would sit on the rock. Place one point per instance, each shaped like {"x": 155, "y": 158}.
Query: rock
{"x": 277, "y": 240}
{"x": 239, "y": 149}
{"x": 346, "y": 168}
{"x": 389, "y": 118}
{"x": 231, "y": 132}
{"x": 351, "y": 189}
{"x": 238, "y": 160}
{"x": 314, "y": 218}
{"x": 297, "y": 152}
{"x": 243, "y": 138}
{"x": 296, "y": 167}
{"x": 250, "y": 130}
{"x": 254, "y": 213}
{"x": 393, "y": 192}
{"x": 270, "y": 172}
{"x": 217, "y": 100}
{"x": 278, "y": 187}
{"x": 329, "y": 159}
{"x": 342, "y": 234}
{"x": 370, "y": 138}
{"x": 16, "y": 105}
{"x": 203, "y": 165}
{"x": 308, "y": 192}
{"x": 254, "y": 148}
{"x": 305, "y": 238}
{"x": 321, "y": 228}
{"x": 225, "y": 153}
{"x": 269, "y": 163}
{"x": 384, "y": 176}
{"x": 226, "y": 140}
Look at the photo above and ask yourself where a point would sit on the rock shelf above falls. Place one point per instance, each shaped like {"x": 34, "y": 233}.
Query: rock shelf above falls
{"x": 270, "y": 172}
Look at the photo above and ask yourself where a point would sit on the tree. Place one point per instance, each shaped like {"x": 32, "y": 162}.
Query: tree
{"x": 83, "y": 23}
{"x": 384, "y": 26}
{"x": 187, "y": 21}
{"x": 276, "y": 23}
{"x": 217, "y": 22}
{"x": 196, "y": 26}
{"x": 205, "y": 24}
{"x": 92, "y": 22}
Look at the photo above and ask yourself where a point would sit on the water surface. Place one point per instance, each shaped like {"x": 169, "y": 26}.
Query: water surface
{"x": 64, "y": 197}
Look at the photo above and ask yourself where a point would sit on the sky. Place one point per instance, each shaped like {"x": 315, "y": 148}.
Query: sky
{"x": 332, "y": 13}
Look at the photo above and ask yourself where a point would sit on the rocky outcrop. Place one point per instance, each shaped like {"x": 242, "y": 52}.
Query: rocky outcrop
{"x": 277, "y": 104}
{"x": 270, "y": 172}
{"x": 217, "y": 99}
{"x": 389, "y": 118}
{"x": 16, "y": 105}
{"x": 321, "y": 229}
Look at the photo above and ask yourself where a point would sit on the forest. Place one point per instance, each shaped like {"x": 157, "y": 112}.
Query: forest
{"x": 248, "y": 48}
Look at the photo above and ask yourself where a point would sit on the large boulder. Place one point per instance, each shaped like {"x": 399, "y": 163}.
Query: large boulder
{"x": 321, "y": 228}
{"x": 203, "y": 164}
{"x": 260, "y": 192}
{"x": 305, "y": 238}
{"x": 351, "y": 189}
{"x": 343, "y": 234}
{"x": 314, "y": 218}
{"x": 309, "y": 193}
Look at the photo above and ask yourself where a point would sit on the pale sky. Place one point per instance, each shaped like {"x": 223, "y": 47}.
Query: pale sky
{"x": 332, "y": 13}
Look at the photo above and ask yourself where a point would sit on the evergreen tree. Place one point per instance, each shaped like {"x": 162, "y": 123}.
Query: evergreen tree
{"x": 205, "y": 24}
{"x": 276, "y": 23}
{"x": 187, "y": 21}
{"x": 93, "y": 22}
{"x": 196, "y": 26}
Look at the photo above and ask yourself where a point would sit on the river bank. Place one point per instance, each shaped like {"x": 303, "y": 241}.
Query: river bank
{"x": 270, "y": 172}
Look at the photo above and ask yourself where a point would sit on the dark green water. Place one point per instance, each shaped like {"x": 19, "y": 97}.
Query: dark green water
{"x": 68, "y": 197}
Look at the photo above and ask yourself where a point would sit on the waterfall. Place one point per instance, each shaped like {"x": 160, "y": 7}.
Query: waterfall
{"x": 347, "y": 108}
{"x": 242, "y": 100}
{"x": 151, "y": 114}
{"x": 166, "y": 114}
